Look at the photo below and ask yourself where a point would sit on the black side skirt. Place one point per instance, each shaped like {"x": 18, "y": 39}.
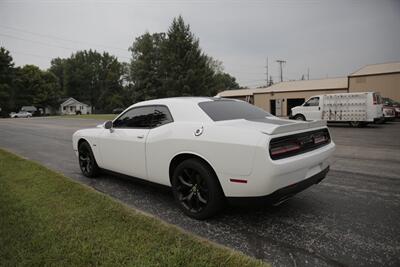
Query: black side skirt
{"x": 279, "y": 195}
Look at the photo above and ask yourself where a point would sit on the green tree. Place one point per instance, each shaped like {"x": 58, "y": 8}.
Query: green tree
{"x": 224, "y": 81}
{"x": 57, "y": 67}
{"x": 92, "y": 78}
{"x": 172, "y": 64}
{"x": 36, "y": 87}
{"x": 28, "y": 83}
{"x": 49, "y": 93}
{"x": 186, "y": 67}
{"x": 7, "y": 73}
{"x": 146, "y": 68}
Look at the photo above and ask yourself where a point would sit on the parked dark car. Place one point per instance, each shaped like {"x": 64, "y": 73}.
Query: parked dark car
{"x": 388, "y": 102}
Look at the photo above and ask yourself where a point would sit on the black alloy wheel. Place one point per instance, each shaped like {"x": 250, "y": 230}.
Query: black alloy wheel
{"x": 197, "y": 190}
{"x": 192, "y": 190}
{"x": 87, "y": 162}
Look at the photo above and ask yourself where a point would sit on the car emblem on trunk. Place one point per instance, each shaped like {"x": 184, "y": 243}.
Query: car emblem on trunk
{"x": 307, "y": 140}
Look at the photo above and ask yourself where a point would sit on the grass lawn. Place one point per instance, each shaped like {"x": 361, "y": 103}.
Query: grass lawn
{"x": 104, "y": 117}
{"x": 48, "y": 219}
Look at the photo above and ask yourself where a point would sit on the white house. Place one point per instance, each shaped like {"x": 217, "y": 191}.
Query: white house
{"x": 71, "y": 106}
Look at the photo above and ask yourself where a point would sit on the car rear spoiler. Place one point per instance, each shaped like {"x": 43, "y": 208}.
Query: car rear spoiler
{"x": 297, "y": 127}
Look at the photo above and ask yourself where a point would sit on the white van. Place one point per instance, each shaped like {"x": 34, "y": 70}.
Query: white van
{"x": 358, "y": 109}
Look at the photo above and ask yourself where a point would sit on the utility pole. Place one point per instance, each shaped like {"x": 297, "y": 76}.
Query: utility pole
{"x": 266, "y": 67}
{"x": 308, "y": 73}
{"x": 281, "y": 62}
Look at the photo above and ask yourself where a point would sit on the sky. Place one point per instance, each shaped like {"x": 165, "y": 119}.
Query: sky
{"x": 330, "y": 38}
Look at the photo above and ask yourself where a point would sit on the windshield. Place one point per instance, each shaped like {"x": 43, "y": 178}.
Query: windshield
{"x": 221, "y": 110}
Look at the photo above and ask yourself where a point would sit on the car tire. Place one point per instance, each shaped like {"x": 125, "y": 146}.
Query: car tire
{"x": 87, "y": 162}
{"x": 299, "y": 117}
{"x": 197, "y": 190}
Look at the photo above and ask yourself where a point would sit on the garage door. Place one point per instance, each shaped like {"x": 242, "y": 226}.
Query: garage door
{"x": 293, "y": 102}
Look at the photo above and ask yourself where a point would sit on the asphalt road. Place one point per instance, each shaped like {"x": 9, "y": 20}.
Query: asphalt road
{"x": 351, "y": 219}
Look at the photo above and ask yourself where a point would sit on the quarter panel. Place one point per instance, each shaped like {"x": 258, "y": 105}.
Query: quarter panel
{"x": 227, "y": 150}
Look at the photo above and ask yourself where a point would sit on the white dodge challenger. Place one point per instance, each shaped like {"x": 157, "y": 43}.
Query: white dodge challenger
{"x": 209, "y": 150}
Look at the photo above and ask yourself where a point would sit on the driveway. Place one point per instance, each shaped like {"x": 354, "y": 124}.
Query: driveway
{"x": 350, "y": 219}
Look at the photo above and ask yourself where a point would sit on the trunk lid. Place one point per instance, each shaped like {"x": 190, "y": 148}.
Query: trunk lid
{"x": 273, "y": 125}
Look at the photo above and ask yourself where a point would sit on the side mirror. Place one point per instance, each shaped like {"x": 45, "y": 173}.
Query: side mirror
{"x": 108, "y": 125}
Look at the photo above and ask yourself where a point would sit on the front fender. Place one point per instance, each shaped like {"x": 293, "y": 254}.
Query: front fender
{"x": 90, "y": 136}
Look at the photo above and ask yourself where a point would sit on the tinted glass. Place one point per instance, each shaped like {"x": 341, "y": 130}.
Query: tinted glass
{"x": 135, "y": 118}
{"x": 221, "y": 110}
{"x": 161, "y": 116}
{"x": 312, "y": 102}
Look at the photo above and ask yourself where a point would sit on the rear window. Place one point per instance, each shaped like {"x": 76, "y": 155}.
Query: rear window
{"x": 221, "y": 110}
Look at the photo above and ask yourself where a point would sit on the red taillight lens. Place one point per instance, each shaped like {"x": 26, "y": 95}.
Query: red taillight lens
{"x": 287, "y": 146}
{"x": 284, "y": 149}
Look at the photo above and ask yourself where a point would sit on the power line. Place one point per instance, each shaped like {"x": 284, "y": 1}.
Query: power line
{"x": 46, "y": 44}
{"x": 257, "y": 80}
{"x": 60, "y": 38}
{"x": 34, "y": 41}
{"x": 29, "y": 54}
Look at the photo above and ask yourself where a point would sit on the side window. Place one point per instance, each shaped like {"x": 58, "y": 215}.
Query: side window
{"x": 144, "y": 117}
{"x": 161, "y": 116}
{"x": 140, "y": 117}
{"x": 312, "y": 102}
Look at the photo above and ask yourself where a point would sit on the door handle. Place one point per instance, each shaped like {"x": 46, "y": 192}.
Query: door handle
{"x": 140, "y": 136}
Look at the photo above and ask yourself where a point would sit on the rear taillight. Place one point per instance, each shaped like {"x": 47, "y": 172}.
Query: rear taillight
{"x": 286, "y": 146}
{"x": 276, "y": 151}
{"x": 375, "y": 99}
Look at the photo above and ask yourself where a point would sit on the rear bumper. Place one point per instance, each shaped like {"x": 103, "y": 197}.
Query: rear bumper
{"x": 281, "y": 194}
{"x": 391, "y": 118}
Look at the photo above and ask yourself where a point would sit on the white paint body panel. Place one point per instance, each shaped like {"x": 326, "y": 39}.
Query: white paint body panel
{"x": 124, "y": 151}
{"x": 234, "y": 149}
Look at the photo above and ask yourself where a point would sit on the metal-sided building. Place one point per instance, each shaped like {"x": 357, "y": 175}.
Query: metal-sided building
{"x": 241, "y": 94}
{"x": 382, "y": 78}
{"x": 279, "y": 98}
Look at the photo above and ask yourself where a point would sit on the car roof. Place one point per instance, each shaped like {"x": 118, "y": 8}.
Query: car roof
{"x": 183, "y": 99}
{"x": 183, "y": 108}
